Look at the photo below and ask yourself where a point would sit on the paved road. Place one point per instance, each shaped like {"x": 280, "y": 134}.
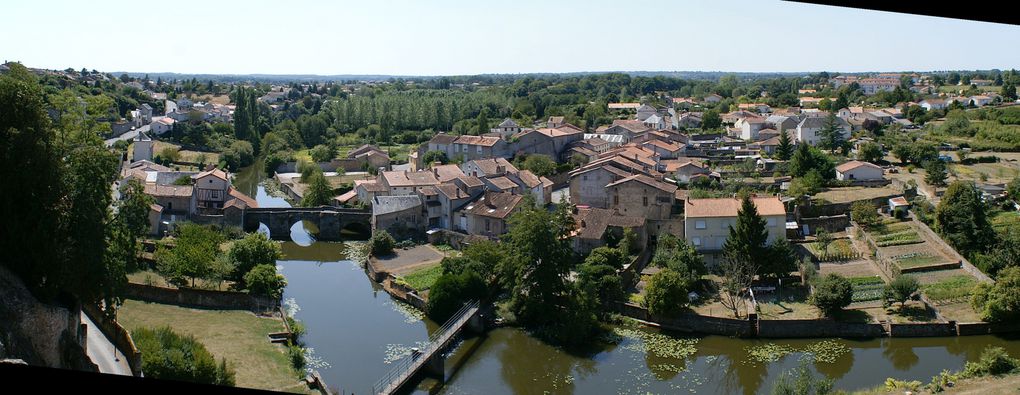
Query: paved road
{"x": 129, "y": 135}
{"x": 101, "y": 351}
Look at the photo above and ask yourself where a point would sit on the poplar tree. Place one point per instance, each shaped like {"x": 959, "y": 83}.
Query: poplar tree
{"x": 785, "y": 148}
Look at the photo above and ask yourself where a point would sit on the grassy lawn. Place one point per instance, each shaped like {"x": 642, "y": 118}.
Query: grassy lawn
{"x": 789, "y": 303}
{"x": 959, "y": 312}
{"x": 1005, "y": 221}
{"x": 935, "y": 276}
{"x": 422, "y": 278}
{"x": 151, "y": 277}
{"x": 993, "y": 172}
{"x": 853, "y": 194}
{"x": 186, "y": 155}
{"x": 238, "y": 336}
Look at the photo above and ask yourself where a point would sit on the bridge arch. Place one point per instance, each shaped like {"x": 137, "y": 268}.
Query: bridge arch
{"x": 328, "y": 220}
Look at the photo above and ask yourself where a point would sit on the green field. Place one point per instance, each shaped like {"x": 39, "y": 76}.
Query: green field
{"x": 953, "y": 289}
{"x": 919, "y": 260}
{"x": 239, "y": 336}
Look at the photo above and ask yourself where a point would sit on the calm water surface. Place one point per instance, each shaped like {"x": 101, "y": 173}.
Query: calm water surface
{"x": 355, "y": 329}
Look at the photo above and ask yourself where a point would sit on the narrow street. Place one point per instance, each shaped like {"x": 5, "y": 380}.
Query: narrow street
{"x": 101, "y": 351}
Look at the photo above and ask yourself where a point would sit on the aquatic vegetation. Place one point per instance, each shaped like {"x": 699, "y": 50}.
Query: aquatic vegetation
{"x": 411, "y": 314}
{"x": 825, "y": 351}
{"x": 395, "y": 352}
{"x": 768, "y": 352}
{"x": 660, "y": 345}
{"x": 291, "y": 306}
{"x": 313, "y": 361}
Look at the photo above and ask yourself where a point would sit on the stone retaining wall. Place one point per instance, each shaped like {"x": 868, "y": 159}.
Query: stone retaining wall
{"x": 831, "y": 224}
{"x": 202, "y": 298}
{"x": 817, "y": 328}
{"x": 692, "y": 323}
{"x": 933, "y": 329}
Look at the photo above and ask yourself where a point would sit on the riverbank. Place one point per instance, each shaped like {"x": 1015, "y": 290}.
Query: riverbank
{"x": 239, "y": 336}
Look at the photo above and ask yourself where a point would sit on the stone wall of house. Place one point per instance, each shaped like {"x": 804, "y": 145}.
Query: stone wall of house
{"x": 200, "y": 298}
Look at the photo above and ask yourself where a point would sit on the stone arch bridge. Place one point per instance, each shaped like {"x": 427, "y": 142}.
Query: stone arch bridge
{"x": 329, "y": 220}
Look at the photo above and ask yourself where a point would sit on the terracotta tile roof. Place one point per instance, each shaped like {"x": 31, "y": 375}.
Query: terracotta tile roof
{"x": 370, "y": 185}
{"x": 451, "y": 191}
{"x": 446, "y": 173}
{"x": 477, "y": 140}
{"x": 632, "y": 125}
{"x": 674, "y": 165}
{"x": 845, "y": 167}
{"x": 494, "y": 205}
{"x": 729, "y": 207}
{"x": 488, "y": 166}
{"x": 409, "y": 178}
{"x": 625, "y": 105}
{"x": 664, "y": 145}
{"x": 168, "y": 190}
{"x": 503, "y": 183}
{"x": 647, "y": 181}
{"x": 347, "y": 196}
{"x": 213, "y": 172}
{"x": 247, "y": 200}
{"x": 443, "y": 139}
{"x": 471, "y": 181}
{"x": 593, "y": 222}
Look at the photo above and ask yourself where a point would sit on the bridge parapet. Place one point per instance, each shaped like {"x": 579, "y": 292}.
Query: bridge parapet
{"x": 329, "y": 221}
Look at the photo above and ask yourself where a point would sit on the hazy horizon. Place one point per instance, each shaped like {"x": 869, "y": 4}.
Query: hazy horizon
{"x": 463, "y": 38}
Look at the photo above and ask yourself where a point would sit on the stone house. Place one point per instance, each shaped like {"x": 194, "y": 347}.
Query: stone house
{"x": 707, "y": 221}
{"x": 643, "y": 196}
{"x": 596, "y": 226}
{"x": 487, "y": 215}
{"x": 398, "y": 215}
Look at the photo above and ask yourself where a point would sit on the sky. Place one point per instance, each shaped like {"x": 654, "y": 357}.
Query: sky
{"x": 451, "y": 37}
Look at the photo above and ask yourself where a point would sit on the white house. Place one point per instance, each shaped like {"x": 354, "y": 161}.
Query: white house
{"x": 143, "y": 148}
{"x": 807, "y": 129}
{"x": 933, "y": 104}
{"x": 644, "y": 112}
{"x": 707, "y": 221}
{"x": 162, "y": 125}
{"x": 858, "y": 171}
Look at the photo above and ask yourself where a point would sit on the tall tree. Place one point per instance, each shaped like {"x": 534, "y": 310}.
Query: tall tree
{"x": 745, "y": 253}
{"x": 961, "y": 218}
{"x": 831, "y": 133}
{"x": 319, "y": 191}
{"x": 785, "y": 148}
{"x": 935, "y": 173}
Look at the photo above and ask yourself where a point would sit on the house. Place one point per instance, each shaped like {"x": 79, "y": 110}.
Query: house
{"x": 492, "y": 167}
{"x": 644, "y": 112}
{"x": 370, "y": 156}
{"x": 143, "y": 148}
{"x": 546, "y": 141}
{"x": 713, "y": 98}
{"x": 663, "y": 149}
{"x": 656, "y": 122}
{"x": 406, "y": 182}
{"x": 507, "y": 128}
{"x": 933, "y": 104}
{"x": 174, "y": 199}
{"x": 707, "y": 221}
{"x": 626, "y": 128}
{"x": 750, "y": 126}
{"x": 871, "y": 86}
{"x": 623, "y": 106}
{"x": 367, "y": 190}
{"x": 643, "y": 196}
{"x": 683, "y": 171}
{"x": 588, "y": 184}
{"x": 211, "y": 189}
{"x": 992, "y": 192}
{"x": 161, "y": 125}
{"x": 145, "y": 111}
{"x": 398, "y": 214}
{"x": 487, "y": 215}
{"x": 898, "y": 206}
{"x": 808, "y": 101}
{"x": 595, "y": 226}
{"x": 169, "y": 106}
{"x": 474, "y": 147}
{"x": 808, "y": 128}
{"x": 555, "y": 122}
{"x": 859, "y": 171}
{"x": 454, "y": 195}
{"x": 781, "y": 123}
{"x": 687, "y": 120}
{"x": 981, "y": 100}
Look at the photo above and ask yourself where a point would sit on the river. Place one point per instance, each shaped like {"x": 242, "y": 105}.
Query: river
{"x": 354, "y": 329}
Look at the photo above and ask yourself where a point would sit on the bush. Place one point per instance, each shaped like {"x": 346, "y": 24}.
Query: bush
{"x": 171, "y": 356}
{"x": 666, "y": 294}
{"x": 382, "y": 243}
{"x": 253, "y": 250}
{"x": 993, "y": 361}
{"x": 901, "y": 289}
{"x": 451, "y": 291}
{"x": 612, "y": 257}
{"x": 296, "y": 354}
{"x": 832, "y": 293}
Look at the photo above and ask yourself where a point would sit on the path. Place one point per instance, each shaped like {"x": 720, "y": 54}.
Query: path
{"x": 101, "y": 350}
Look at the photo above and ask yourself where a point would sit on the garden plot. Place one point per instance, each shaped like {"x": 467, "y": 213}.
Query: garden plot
{"x": 867, "y": 289}
{"x": 902, "y": 244}
{"x": 950, "y": 292}
{"x": 849, "y": 269}
{"x": 840, "y": 250}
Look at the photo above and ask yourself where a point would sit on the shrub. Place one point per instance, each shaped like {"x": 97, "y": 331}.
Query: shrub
{"x": 264, "y": 280}
{"x": 296, "y": 354}
{"x": 253, "y": 250}
{"x": 382, "y": 243}
{"x": 800, "y": 381}
{"x": 666, "y": 294}
{"x": 171, "y": 356}
{"x": 832, "y": 293}
{"x": 612, "y": 257}
{"x": 993, "y": 361}
{"x": 999, "y": 302}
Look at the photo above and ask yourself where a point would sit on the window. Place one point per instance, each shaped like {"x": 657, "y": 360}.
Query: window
{"x": 700, "y": 225}
{"x": 616, "y": 200}
{"x": 644, "y": 201}
{"x": 488, "y": 225}
{"x": 215, "y": 194}
{"x": 696, "y": 241}
{"x": 479, "y": 149}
